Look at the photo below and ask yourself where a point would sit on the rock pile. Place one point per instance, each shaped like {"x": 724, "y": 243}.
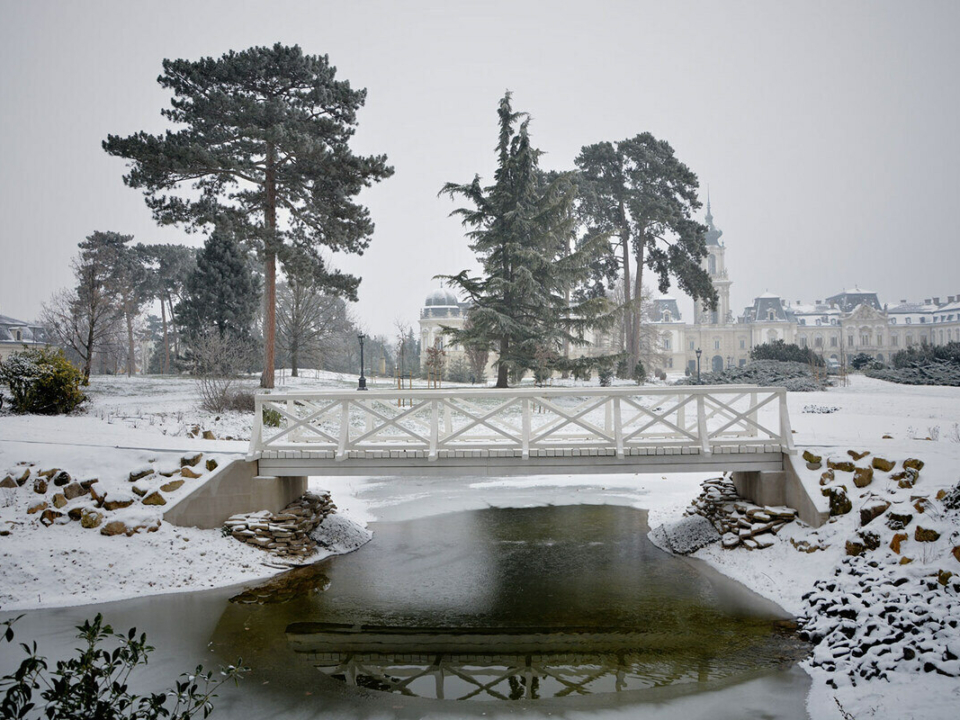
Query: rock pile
{"x": 739, "y": 522}
{"x": 286, "y": 533}
{"x": 93, "y": 503}
{"x": 869, "y": 620}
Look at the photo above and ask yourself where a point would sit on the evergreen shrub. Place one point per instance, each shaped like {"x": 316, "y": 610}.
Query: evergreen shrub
{"x": 42, "y": 381}
{"x": 639, "y": 372}
{"x": 93, "y": 684}
{"x": 785, "y": 352}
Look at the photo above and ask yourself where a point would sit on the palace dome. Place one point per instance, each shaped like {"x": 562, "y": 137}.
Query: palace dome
{"x": 441, "y": 298}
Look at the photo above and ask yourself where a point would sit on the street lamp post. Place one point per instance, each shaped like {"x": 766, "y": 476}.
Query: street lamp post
{"x": 363, "y": 380}
{"x": 699, "y": 353}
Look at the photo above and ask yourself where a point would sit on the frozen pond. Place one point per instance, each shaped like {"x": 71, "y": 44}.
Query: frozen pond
{"x": 550, "y": 609}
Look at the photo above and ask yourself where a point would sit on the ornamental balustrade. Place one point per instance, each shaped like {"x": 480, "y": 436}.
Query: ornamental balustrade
{"x": 522, "y": 423}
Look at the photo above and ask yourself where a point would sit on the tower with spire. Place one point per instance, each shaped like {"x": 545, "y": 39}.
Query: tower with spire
{"x": 715, "y": 265}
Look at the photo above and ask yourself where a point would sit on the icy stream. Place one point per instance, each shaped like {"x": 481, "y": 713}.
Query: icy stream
{"x": 626, "y": 629}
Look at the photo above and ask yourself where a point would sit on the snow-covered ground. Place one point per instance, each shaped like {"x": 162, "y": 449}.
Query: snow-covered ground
{"x": 145, "y": 423}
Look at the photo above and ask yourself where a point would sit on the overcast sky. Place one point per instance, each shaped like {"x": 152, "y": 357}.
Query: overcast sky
{"x": 827, "y": 131}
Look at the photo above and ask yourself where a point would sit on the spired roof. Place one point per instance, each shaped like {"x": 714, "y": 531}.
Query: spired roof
{"x": 441, "y": 298}
{"x": 713, "y": 233}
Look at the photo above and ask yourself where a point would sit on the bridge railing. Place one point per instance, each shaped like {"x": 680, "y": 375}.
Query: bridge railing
{"x": 436, "y": 423}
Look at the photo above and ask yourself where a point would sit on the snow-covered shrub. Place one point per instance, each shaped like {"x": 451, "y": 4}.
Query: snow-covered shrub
{"x": 860, "y": 361}
{"x": 605, "y": 373}
{"x": 766, "y": 373}
{"x": 241, "y": 401}
{"x": 785, "y": 352}
{"x": 42, "y": 381}
{"x": 639, "y": 372}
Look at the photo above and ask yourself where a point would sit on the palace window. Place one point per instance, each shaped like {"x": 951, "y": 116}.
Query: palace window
{"x": 742, "y": 362}
{"x": 909, "y": 320}
{"x": 833, "y": 341}
{"x": 803, "y": 341}
{"x": 803, "y": 321}
{"x": 670, "y": 362}
{"x": 909, "y": 340}
{"x": 849, "y": 340}
{"x": 666, "y": 343}
{"x": 893, "y": 321}
{"x": 692, "y": 344}
{"x": 743, "y": 344}
{"x": 865, "y": 339}
{"x": 716, "y": 344}
{"x": 818, "y": 342}
{"x": 923, "y": 319}
{"x": 895, "y": 340}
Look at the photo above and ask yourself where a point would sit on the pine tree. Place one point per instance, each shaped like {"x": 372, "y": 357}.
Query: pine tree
{"x": 222, "y": 293}
{"x": 263, "y": 140}
{"x": 519, "y": 228}
{"x": 637, "y": 192}
{"x": 167, "y": 269}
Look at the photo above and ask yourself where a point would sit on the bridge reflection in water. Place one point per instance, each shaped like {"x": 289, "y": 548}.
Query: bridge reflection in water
{"x": 526, "y": 663}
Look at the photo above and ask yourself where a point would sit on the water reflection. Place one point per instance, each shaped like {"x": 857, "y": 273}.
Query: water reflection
{"x": 520, "y": 604}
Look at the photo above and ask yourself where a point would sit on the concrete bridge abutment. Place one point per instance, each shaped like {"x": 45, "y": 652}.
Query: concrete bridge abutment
{"x": 782, "y": 487}
{"x": 235, "y": 488}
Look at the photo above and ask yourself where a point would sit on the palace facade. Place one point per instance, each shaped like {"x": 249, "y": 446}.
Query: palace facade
{"x": 838, "y": 327}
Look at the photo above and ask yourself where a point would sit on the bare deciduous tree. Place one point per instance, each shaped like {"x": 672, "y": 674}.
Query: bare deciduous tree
{"x": 307, "y": 321}
{"x": 84, "y": 319}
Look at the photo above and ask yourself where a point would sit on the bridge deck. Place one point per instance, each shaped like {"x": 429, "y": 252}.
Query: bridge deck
{"x": 522, "y": 432}
{"x": 568, "y": 461}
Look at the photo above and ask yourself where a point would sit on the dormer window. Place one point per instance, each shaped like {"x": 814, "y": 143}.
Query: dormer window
{"x": 909, "y": 320}
{"x": 18, "y": 335}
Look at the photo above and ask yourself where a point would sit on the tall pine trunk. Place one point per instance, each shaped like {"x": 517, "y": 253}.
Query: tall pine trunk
{"x": 88, "y": 360}
{"x": 294, "y": 359}
{"x": 165, "y": 369}
{"x": 131, "y": 356}
{"x": 629, "y": 331}
{"x": 270, "y": 270}
{"x": 502, "y": 367}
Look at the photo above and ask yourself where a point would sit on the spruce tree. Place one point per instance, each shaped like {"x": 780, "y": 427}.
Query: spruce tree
{"x": 262, "y": 139}
{"x": 222, "y": 293}
{"x": 639, "y": 194}
{"x": 519, "y": 228}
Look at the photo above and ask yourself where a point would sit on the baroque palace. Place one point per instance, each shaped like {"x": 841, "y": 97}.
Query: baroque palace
{"x": 838, "y": 327}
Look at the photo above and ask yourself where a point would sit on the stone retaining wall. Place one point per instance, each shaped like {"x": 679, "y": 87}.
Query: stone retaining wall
{"x": 286, "y": 533}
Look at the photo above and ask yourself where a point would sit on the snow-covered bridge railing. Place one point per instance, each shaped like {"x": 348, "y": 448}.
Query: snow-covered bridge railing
{"x": 524, "y": 431}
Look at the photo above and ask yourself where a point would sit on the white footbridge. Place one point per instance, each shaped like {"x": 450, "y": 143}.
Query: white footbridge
{"x": 529, "y": 431}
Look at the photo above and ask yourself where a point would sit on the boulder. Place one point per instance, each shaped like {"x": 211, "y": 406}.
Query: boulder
{"x": 37, "y": 508}
{"x": 898, "y": 521}
{"x": 814, "y": 466}
{"x": 139, "y": 491}
{"x": 62, "y": 478}
{"x": 140, "y": 474}
{"x": 116, "y": 527}
{"x": 8, "y": 482}
{"x": 190, "y": 460}
{"x": 898, "y": 538}
{"x": 913, "y": 463}
{"x": 839, "y": 502}
{"x": 810, "y": 457}
{"x": 858, "y": 455}
{"x": 906, "y": 479}
{"x": 187, "y": 472}
{"x": 943, "y": 577}
{"x": 87, "y": 484}
{"x": 91, "y": 519}
{"x": 211, "y": 464}
{"x": 48, "y": 517}
{"x": 843, "y": 465}
{"x": 862, "y": 477}
{"x": 40, "y": 486}
{"x": 855, "y": 548}
{"x": 872, "y": 510}
{"x": 112, "y": 505}
{"x": 827, "y": 477}
{"x": 60, "y": 500}
{"x": 75, "y": 513}
{"x": 208, "y": 435}
{"x": 154, "y": 498}
{"x": 22, "y": 480}
{"x": 880, "y": 463}
{"x": 74, "y": 490}
{"x": 47, "y": 474}
{"x": 920, "y": 504}
{"x": 172, "y": 485}
{"x": 922, "y": 534}
{"x": 956, "y": 552}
